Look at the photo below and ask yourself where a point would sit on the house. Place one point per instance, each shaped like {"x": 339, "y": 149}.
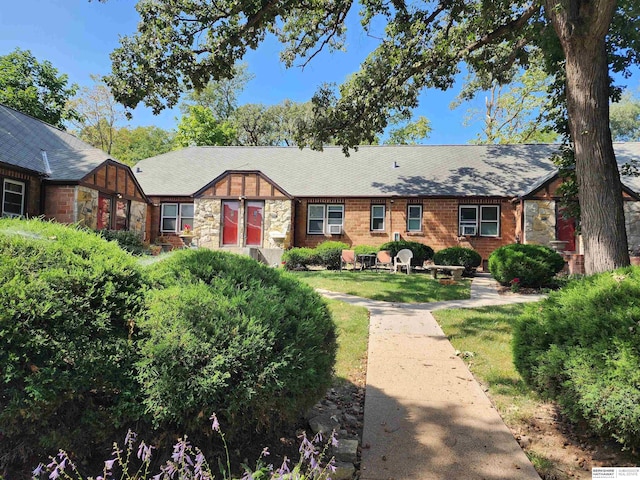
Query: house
{"x": 269, "y": 198}
{"x": 45, "y": 171}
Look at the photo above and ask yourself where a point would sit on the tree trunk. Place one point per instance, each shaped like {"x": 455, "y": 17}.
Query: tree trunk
{"x": 581, "y": 26}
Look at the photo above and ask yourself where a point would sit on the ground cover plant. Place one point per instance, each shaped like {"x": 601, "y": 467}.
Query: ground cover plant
{"x": 64, "y": 292}
{"x": 532, "y": 265}
{"x": 581, "y": 347}
{"x": 464, "y": 257}
{"x": 558, "y": 449}
{"x": 383, "y": 286}
{"x": 224, "y": 333}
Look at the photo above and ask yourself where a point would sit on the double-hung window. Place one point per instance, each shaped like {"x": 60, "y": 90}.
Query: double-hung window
{"x": 377, "y": 218}
{"x": 323, "y": 219}
{"x": 13, "y": 194}
{"x": 414, "y": 218}
{"x": 482, "y": 220}
{"x": 174, "y": 217}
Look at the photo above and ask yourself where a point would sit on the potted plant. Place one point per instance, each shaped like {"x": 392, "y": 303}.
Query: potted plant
{"x": 164, "y": 243}
{"x": 186, "y": 235}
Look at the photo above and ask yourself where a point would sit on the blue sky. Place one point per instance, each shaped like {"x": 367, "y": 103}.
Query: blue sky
{"x": 76, "y": 36}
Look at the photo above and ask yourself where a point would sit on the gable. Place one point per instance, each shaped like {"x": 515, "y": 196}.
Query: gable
{"x": 242, "y": 184}
{"x": 114, "y": 178}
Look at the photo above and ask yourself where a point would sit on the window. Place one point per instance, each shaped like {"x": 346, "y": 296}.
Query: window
{"x": 483, "y": 220}
{"x": 122, "y": 214}
{"x": 12, "y": 198}
{"x": 320, "y": 215}
{"x": 414, "y": 218}
{"x": 377, "y": 218}
{"x": 174, "y": 216}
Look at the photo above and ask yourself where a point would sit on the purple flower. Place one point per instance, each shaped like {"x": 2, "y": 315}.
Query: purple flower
{"x": 38, "y": 470}
{"x": 144, "y": 452}
{"x": 215, "y": 425}
{"x": 108, "y": 464}
{"x": 265, "y": 452}
{"x": 54, "y": 474}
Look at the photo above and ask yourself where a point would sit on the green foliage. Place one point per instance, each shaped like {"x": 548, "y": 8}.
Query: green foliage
{"x": 581, "y": 346}
{"x": 465, "y": 257}
{"x": 299, "y": 258}
{"x": 35, "y": 88}
{"x": 329, "y": 254}
{"x": 200, "y": 127}
{"x": 272, "y": 125}
{"x": 534, "y": 265}
{"x": 410, "y": 133}
{"x": 134, "y": 144}
{"x": 366, "y": 250}
{"x": 127, "y": 240}
{"x": 421, "y": 252}
{"x": 227, "y": 334}
{"x": 624, "y": 117}
{"x": 67, "y": 308}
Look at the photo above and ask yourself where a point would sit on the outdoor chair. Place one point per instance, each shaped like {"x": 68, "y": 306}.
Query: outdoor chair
{"x": 347, "y": 257}
{"x": 403, "y": 259}
{"x": 383, "y": 259}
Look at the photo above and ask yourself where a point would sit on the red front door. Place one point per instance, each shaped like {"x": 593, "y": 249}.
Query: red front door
{"x": 253, "y": 222}
{"x": 230, "y": 215}
{"x": 566, "y": 230}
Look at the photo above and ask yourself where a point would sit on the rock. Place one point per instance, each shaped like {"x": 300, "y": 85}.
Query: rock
{"x": 344, "y": 471}
{"x": 346, "y": 451}
{"x": 350, "y": 419}
{"x": 324, "y": 424}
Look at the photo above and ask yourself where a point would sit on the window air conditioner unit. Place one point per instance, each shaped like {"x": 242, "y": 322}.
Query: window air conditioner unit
{"x": 468, "y": 230}
{"x": 396, "y": 236}
{"x": 335, "y": 229}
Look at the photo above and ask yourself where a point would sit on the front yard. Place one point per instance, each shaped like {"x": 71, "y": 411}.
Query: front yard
{"x": 414, "y": 288}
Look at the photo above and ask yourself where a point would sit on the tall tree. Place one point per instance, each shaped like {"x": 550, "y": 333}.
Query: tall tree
{"x": 134, "y": 144}
{"x": 220, "y": 97}
{"x": 624, "y": 118}
{"x": 99, "y": 114}
{"x": 422, "y": 46}
{"x": 409, "y": 132}
{"x": 200, "y": 127}
{"x": 35, "y": 88}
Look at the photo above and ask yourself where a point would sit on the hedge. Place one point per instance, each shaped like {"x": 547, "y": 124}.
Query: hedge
{"x": 464, "y": 257}
{"x": 226, "y": 334}
{"x": 67, "y": 308}
{"x": 581, "y": 347}
{"x": 533, "y": 265}
{"x": 421, "y": 252}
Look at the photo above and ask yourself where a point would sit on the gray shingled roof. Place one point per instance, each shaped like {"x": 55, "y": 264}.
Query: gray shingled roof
{"x": 22, "y": 139}
{"x": 432, "y": 170}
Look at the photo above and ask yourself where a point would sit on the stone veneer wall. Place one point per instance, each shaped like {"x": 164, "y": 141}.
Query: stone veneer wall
{"x": 277, "y": 220}
{"x": 138, "y": 217}
{"x": 87, "y": 207}
{"x": 539, "y": 221}
{"x": 632, "y": 222}
{"x": 207, "y": 222}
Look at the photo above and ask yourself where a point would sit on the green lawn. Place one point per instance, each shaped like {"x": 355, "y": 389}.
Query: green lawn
{"x": 353, "y": 336}
{"x": 414, "y": 288}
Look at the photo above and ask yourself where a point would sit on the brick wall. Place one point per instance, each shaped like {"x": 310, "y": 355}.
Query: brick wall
{"x": 60, "y": 203}
{"x": 439, "y": 223}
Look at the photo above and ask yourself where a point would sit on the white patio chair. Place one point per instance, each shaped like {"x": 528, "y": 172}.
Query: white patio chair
{"x": 403, "y": 259}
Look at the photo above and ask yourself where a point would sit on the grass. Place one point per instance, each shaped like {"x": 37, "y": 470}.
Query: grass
{"x": 486, "y": 333}
{"x": 353, "y": 336}
{"x": 414, "y": 288}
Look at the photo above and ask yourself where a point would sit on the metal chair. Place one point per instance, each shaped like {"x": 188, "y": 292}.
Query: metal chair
{"x": 383, "y": 259}
{"x": 348, "y": 257}
{"x": 403, "y": 259}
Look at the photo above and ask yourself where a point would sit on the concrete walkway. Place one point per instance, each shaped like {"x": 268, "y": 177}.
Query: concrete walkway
{"x": 425, "y": 415}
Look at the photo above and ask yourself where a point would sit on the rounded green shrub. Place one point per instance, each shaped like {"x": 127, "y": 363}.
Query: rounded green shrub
{"x": 581, "y": 347}
{"x": 464, "y": 257}
{"x": 299, "y": 258}
{"x": 533, "y": 265}
{"x": 366, "y": 250}
{"x": 226, "y": 334}
{"x": 67, "y": 308}
{"x": 421, "y": 252}
{"x": 127, "y": 240}
{"x": 329, "y": 253}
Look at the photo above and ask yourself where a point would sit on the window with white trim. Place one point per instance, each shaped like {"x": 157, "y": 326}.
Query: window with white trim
{"x": 479, "y": 220}
{"x": 414, "y": 218}
{"x": 323, "y": 219}
{"x": 174, "y": 217}
{"x": 13, "y": 194}
{"x": 377, "y": 218}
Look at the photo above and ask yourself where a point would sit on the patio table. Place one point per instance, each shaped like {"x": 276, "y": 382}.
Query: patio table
{"x": 367, "y": 260}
